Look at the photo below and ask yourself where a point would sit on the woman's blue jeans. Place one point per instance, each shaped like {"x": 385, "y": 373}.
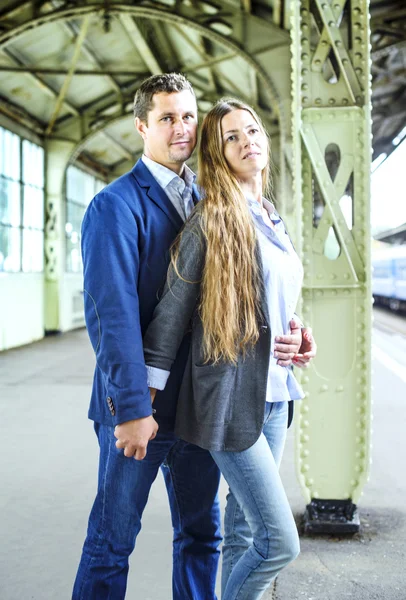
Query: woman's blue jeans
{"x": 260, "y": 536}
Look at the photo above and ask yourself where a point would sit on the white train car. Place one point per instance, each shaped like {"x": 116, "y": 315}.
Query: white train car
{"x": 389, "y": 277}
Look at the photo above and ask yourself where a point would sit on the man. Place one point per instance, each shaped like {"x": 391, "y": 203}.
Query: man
{"x": 126, "y": 235}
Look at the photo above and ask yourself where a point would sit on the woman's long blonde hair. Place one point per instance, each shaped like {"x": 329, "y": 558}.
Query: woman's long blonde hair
{"x": 230, "y": 296}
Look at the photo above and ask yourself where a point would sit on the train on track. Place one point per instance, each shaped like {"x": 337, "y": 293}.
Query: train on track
{"x": 389, "y": 277}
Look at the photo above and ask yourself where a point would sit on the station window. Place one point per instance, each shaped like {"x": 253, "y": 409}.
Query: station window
{"x": 80, "y": 189}
{"x": 21, "y": 204}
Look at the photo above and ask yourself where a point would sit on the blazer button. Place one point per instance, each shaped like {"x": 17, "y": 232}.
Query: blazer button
{"x": 110, "y": 405}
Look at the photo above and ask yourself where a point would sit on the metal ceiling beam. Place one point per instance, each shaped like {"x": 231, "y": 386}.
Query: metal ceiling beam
{"x": 87, "y": 72}
{"x": 19, "y": 60}
{"x": 246, "y": 5}
{"x": 388, "y": 49}
{"x": 125, "y": 152}
{"x": 21, "y": 116}
{"x": 13, "y": 10}
{"x": 73, "y": 29}
{"x": 106, "y": 102}
{"x": 68, "y": 78}
{"x": 140, "y": 44}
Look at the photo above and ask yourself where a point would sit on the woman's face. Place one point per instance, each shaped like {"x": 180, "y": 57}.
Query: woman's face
{"x": 244, "y": 145}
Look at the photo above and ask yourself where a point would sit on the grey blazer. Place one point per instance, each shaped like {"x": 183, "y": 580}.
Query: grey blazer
{"x": 220, "y": 407}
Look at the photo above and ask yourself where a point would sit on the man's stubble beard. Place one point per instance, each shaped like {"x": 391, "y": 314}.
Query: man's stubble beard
{"x": 179, "y": 156}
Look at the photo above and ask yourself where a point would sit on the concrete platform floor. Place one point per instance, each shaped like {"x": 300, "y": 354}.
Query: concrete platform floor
{"x": 48, "y": 461}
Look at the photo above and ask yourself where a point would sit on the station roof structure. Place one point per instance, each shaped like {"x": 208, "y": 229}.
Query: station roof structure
{"x": 70, "y": 68}
{"x": 397, "y": 235}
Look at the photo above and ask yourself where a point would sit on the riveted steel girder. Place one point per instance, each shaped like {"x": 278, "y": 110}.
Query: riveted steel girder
{"x": 332, "y": 147}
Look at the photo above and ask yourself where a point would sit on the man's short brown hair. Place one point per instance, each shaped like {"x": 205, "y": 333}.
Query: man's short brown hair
{"x": 166, "y": 83}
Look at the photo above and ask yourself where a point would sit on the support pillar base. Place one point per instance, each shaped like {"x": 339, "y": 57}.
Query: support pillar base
{"x": 331, "y": 516}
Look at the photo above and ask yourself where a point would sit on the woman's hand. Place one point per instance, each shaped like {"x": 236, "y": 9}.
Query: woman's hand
{"x": 307, "y": 350}
{"x": 287, "y": 346}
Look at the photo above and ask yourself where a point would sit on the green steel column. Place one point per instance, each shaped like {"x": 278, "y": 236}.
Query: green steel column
{"x": 332, "y": 149}
{"x": 57, "y": 153}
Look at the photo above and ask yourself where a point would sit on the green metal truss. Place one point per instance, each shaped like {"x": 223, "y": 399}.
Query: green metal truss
{"x": 332, "y": 150}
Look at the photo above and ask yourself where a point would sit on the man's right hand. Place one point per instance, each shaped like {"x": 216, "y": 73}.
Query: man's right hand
{"x": 134, "y": 436}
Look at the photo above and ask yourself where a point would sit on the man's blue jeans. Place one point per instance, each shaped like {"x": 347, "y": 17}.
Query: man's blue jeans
{"x": 260, "y": 535}
{"x": 191, "y": 478}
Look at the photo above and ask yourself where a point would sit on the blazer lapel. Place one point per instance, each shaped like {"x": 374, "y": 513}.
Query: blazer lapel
{"x": 195, "y": 194}
{"x": 156, "y": 193}
{"x": 264, "y": 303}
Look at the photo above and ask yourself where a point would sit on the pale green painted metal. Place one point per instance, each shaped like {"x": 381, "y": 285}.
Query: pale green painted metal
{"x": 334, "y": 420}
{"x": 57, "y": 156}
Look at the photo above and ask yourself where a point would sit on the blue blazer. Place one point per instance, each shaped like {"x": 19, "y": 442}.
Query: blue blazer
{"x": 126, "y": 235}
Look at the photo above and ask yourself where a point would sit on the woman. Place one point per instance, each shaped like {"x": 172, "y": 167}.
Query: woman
{"x": 235, "y": 279}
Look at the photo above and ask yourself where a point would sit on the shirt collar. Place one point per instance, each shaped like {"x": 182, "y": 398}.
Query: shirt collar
{"x": 165, "y": 176}
{"x": 256, "y": 208}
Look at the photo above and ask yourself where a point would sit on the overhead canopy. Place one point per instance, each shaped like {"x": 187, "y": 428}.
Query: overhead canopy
{"x": 70, "y": 69}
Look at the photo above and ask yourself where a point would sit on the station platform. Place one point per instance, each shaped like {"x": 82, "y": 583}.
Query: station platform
{"x": 49, "y": 469}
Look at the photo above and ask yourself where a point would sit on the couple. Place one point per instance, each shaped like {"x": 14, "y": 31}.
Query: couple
{"x": 210, "y": 342}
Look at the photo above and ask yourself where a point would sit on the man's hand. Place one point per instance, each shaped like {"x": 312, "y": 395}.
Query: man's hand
{"x": 134, "y": 436}
{"x": 287, "y": 346}
{"x": 152, "y": 391}
{"x": 307, "y": 350}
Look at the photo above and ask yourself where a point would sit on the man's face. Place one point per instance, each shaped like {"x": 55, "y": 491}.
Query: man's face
{"x": 171, "y": 132}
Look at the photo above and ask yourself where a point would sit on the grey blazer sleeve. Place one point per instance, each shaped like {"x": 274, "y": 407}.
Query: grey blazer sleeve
{"x": 173, "y": 313}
